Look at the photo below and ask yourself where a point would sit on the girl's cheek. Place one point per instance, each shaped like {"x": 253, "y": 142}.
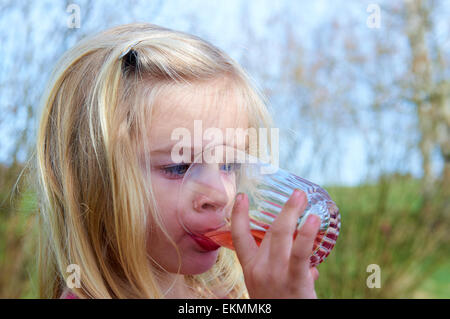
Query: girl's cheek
{"x": 165, "y": 192}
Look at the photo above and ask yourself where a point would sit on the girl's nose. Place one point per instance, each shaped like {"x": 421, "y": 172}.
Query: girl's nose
{"x": 212, "y": 191}
{"x": 212, "y": 202}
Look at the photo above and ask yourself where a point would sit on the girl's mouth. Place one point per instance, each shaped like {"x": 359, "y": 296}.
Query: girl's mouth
{"x": 204, "y": 242}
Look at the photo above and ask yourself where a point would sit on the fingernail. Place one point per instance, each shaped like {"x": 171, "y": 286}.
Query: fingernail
{"x": 298, "y": 196}
{"x": 239, "y": 197}
{"x": 313, "y": 219}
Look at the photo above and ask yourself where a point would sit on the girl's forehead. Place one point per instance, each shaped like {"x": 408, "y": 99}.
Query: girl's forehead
{"x": 197, "y": 106}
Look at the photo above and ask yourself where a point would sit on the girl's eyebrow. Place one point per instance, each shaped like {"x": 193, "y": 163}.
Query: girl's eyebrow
{"x": 168, "y": 148}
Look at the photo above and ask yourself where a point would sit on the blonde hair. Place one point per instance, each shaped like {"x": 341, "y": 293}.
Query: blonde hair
{"x": 93, "y": 198}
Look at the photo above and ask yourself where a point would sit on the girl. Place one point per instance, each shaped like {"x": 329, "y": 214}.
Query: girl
{"x": 108, "y": 224}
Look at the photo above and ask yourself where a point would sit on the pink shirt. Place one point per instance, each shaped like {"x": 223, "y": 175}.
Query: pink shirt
{"x": 67, "y": 294}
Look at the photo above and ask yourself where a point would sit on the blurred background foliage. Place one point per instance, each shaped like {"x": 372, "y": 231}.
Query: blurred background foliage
{"x": 367, "y": 111}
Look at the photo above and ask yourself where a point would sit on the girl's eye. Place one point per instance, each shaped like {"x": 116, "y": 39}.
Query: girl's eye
{"x": 178, "y": 171}
{"x": 230, "y": 167}
{"x": 175, "y": 171}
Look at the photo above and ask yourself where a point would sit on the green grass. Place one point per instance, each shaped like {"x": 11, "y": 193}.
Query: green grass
{"x": 384, "y": 224}
{"x": 438, "y": 285}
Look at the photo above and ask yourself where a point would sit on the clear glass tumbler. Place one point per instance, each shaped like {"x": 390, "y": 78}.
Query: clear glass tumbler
{"x": 211, "y": 185}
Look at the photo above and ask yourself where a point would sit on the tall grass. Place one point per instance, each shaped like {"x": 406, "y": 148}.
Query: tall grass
{"x": 382, "y": 224}
{"x": 18, "y": 237}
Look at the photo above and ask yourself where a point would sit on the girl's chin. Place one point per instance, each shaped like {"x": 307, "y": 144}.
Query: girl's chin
{"x": 199, "y": 262}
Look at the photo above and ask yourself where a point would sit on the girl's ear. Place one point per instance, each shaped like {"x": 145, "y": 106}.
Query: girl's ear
{"x": 129, "y": 61}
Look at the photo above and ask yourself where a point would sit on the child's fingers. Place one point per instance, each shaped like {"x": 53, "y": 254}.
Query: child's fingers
{"x": 303, "y": 245}
{"x": 243, "y": 241}
{"x": 314, "y": 273}
{"x": 283, "y": 228}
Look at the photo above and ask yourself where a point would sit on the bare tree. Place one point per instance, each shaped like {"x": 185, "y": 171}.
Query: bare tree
{"x": 430, "y": 92}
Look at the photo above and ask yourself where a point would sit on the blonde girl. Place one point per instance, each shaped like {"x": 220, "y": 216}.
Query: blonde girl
{"x": 107, "y": 185}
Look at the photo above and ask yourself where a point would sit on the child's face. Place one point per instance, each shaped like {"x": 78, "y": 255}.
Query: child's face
{"x": 179, "y": 109}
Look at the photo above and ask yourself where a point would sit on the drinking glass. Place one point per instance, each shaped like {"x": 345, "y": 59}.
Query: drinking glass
{"x": 210, "y": 185}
